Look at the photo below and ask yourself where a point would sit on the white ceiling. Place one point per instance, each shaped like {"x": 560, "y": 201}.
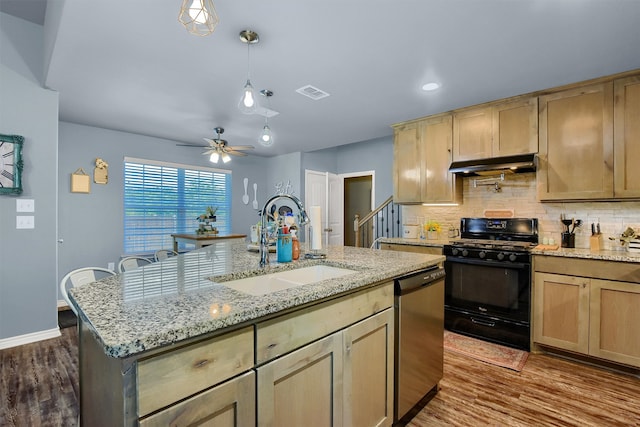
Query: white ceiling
{"x": 131, "y": 66}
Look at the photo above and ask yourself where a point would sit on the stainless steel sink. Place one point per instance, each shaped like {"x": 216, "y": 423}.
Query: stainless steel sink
{"x": 274, "y": 282}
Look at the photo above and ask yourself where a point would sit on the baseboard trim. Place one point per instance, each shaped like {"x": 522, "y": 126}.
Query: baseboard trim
{"x": 29, "y": 338}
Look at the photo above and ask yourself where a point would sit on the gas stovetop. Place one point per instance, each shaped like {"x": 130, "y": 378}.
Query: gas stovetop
{"x": 503, "y": 245}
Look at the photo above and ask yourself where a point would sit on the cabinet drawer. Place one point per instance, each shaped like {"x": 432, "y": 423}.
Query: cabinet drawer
{"x": 283, "y": 334}
{"x": 176, "y": 374}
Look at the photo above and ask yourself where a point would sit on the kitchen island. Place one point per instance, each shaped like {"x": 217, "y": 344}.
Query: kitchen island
{"x": 171, "y": 339}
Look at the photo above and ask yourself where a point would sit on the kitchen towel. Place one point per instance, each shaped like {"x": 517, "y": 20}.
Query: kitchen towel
{"x": 316, "y": 228}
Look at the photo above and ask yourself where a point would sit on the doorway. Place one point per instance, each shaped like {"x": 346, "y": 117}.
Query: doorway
{"x": 358, "y": 192}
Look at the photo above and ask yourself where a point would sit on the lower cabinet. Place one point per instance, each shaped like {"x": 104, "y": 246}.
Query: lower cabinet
{"x": 344, "y": 379}
{"x": 596, "y": 317}
{"x": 229, "y": 404}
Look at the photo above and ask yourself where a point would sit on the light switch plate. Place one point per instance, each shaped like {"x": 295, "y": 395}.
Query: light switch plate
{"x": 25, "y": 221}
{"x": 25, "y": 205}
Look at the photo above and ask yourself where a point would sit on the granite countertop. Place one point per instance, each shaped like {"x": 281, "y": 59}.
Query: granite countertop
{"x": 437, "y": 243}
{"x": 182, "y": 297}
{"x": 604, "y": 255}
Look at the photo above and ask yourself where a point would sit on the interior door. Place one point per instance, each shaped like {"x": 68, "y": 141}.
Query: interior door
{"x": 324, "y": 189}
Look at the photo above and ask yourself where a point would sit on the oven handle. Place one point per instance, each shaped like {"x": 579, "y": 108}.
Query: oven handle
{"x": 483, "y": 322}
{"x": 489, "y": 263}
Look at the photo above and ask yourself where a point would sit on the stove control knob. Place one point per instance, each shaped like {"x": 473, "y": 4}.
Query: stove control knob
{"x": 482, "y": 254}
{"x": 465, "y": 252}
{"x": 500, "y": 256}
{"x": 512, "y": 257}
{"x": 454, "y": 251}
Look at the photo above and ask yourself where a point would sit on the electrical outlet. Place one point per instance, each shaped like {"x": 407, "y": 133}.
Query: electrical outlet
{"x": 111, "y": 266}
{"x": 25, "y": 221}
{"x": 25, "y": 205}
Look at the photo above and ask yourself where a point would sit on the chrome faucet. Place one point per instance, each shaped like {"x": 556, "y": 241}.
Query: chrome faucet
{"x": 264, "y": 233}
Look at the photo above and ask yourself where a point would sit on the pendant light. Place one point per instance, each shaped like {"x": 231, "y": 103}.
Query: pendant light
{"x": 266, "y": 137}
{"x": 248, "y": 102}
{"x": 199, "y": 17}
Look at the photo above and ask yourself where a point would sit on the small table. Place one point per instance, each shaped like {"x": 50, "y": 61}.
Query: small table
{"x": 202, "y": 240}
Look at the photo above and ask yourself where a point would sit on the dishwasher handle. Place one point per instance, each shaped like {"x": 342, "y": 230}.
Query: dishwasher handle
{"x": 418, "y": 280}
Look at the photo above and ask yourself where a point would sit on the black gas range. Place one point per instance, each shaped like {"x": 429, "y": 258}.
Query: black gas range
{"x": 488, "y": 279}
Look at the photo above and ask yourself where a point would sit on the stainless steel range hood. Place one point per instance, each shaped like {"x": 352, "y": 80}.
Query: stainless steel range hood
{"x": 510, "y": 164}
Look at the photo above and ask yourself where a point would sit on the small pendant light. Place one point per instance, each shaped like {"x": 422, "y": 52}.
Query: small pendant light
{"x": 248, "y": 102}
{"x": 266, "y": 137}
{"x": 198, "y": 16}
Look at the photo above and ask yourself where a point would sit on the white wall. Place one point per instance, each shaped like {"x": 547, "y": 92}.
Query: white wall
{"x": 28, "y": 279}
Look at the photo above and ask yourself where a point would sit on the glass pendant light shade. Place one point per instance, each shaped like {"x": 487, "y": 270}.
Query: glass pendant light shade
{"x": 214, "y": 157}
{"x": 199, "y": 17}
{"x": 248, "y": 103}
{"x": 266, "y": 137}
{"x": 226, "y": 158}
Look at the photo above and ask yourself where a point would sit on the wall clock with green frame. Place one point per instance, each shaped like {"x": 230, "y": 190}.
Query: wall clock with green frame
{"x": 11, "y": 164}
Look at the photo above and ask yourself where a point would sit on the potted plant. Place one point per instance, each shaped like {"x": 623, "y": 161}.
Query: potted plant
{"x": 205, "y": 220}
{"x": 432, "y": 228}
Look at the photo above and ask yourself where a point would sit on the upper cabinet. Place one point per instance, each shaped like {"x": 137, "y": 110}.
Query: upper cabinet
{"x": 406, "y": 164}
{"x": 576, "y": 144}
{"x": 503, "y": 129}
{"x": 626, "y": 137}
{"x": 422, "y": 155}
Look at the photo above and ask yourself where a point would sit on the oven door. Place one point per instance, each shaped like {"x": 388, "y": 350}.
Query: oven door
{"x": 490, "y": 288}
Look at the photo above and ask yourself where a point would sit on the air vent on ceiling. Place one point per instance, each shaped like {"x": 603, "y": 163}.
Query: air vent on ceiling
{"x": 312, "y": 92}
{"x": 266, "y": 112}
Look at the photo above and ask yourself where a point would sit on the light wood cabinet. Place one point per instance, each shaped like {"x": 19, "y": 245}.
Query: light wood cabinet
{"x": 506, "y": 128}
{"x": 561, "y": 311}
{"x": 368, "y": 371}
{"x": 438, "y": 184}
{"x": 594, "y": 309}
{"x": 422, "y": 156}
{"x": 407, "y": 164}
{"x": 615, "y": 321}
{"x": 303, "y": 388}
{"x": 576, "y": 144}
{"x": 230, "y": 404}
{"x": 626, "y": 137}
{"x": 343, "y": 379}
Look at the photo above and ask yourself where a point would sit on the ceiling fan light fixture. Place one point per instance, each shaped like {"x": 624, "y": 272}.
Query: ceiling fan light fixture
{"x": 248, "y": 102}
{"x": 214, "y": 157}
{"x": 199, "y": 17}
{"x": 226, "y": 158}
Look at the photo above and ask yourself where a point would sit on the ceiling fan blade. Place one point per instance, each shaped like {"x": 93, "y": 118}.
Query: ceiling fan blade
{"x": 237, "y": 153}
{"x": 241, "y": 147}
{"x": 191, "y": 145}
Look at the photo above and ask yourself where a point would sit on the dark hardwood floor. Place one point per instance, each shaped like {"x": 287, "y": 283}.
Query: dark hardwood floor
{"x": 39, "y": 387}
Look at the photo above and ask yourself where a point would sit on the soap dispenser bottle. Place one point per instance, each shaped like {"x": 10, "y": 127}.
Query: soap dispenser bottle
{"x": 295, "y": 245}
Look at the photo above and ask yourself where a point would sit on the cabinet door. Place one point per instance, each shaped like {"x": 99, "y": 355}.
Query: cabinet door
{"x": 230, "y": 404}
{"x": 561, "y": 311}
{"x": 615, "y": 321}
{"x": 438, "y": 184}
{"x": 627, "y": 137}
{"x": 576, "y": 144}
{"x": 407, "y": 164}
{"x": 368, "y": 371}
{"x": 472, "y": 130}
{"x": 515, "y": 127}
{"x": 303, "y": 388}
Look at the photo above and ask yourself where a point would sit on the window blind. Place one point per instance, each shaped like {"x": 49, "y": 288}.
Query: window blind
{"x": 162, "y": 198}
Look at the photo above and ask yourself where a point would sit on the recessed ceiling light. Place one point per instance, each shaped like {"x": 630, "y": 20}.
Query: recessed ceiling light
{"x": 430, "y": 86}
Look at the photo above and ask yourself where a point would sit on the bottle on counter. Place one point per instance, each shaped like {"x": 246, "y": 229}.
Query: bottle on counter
{"x": 284, "y": 245}
{"x": 295, "y": 245}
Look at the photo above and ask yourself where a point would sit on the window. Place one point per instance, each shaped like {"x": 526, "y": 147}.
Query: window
{"x": 162, "y": 198}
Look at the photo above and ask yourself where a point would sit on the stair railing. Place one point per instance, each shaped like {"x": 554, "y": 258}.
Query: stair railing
{"x": 383, "y": 221}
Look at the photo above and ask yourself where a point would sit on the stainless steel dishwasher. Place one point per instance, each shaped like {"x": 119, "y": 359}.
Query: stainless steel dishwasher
{"x": 419, "y": 329}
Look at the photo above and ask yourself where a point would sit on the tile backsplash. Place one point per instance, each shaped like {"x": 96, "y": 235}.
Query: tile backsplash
{"x": 518, "y": 193}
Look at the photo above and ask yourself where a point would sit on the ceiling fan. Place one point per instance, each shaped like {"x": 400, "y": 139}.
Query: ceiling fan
{"x": 219, "y": 148}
